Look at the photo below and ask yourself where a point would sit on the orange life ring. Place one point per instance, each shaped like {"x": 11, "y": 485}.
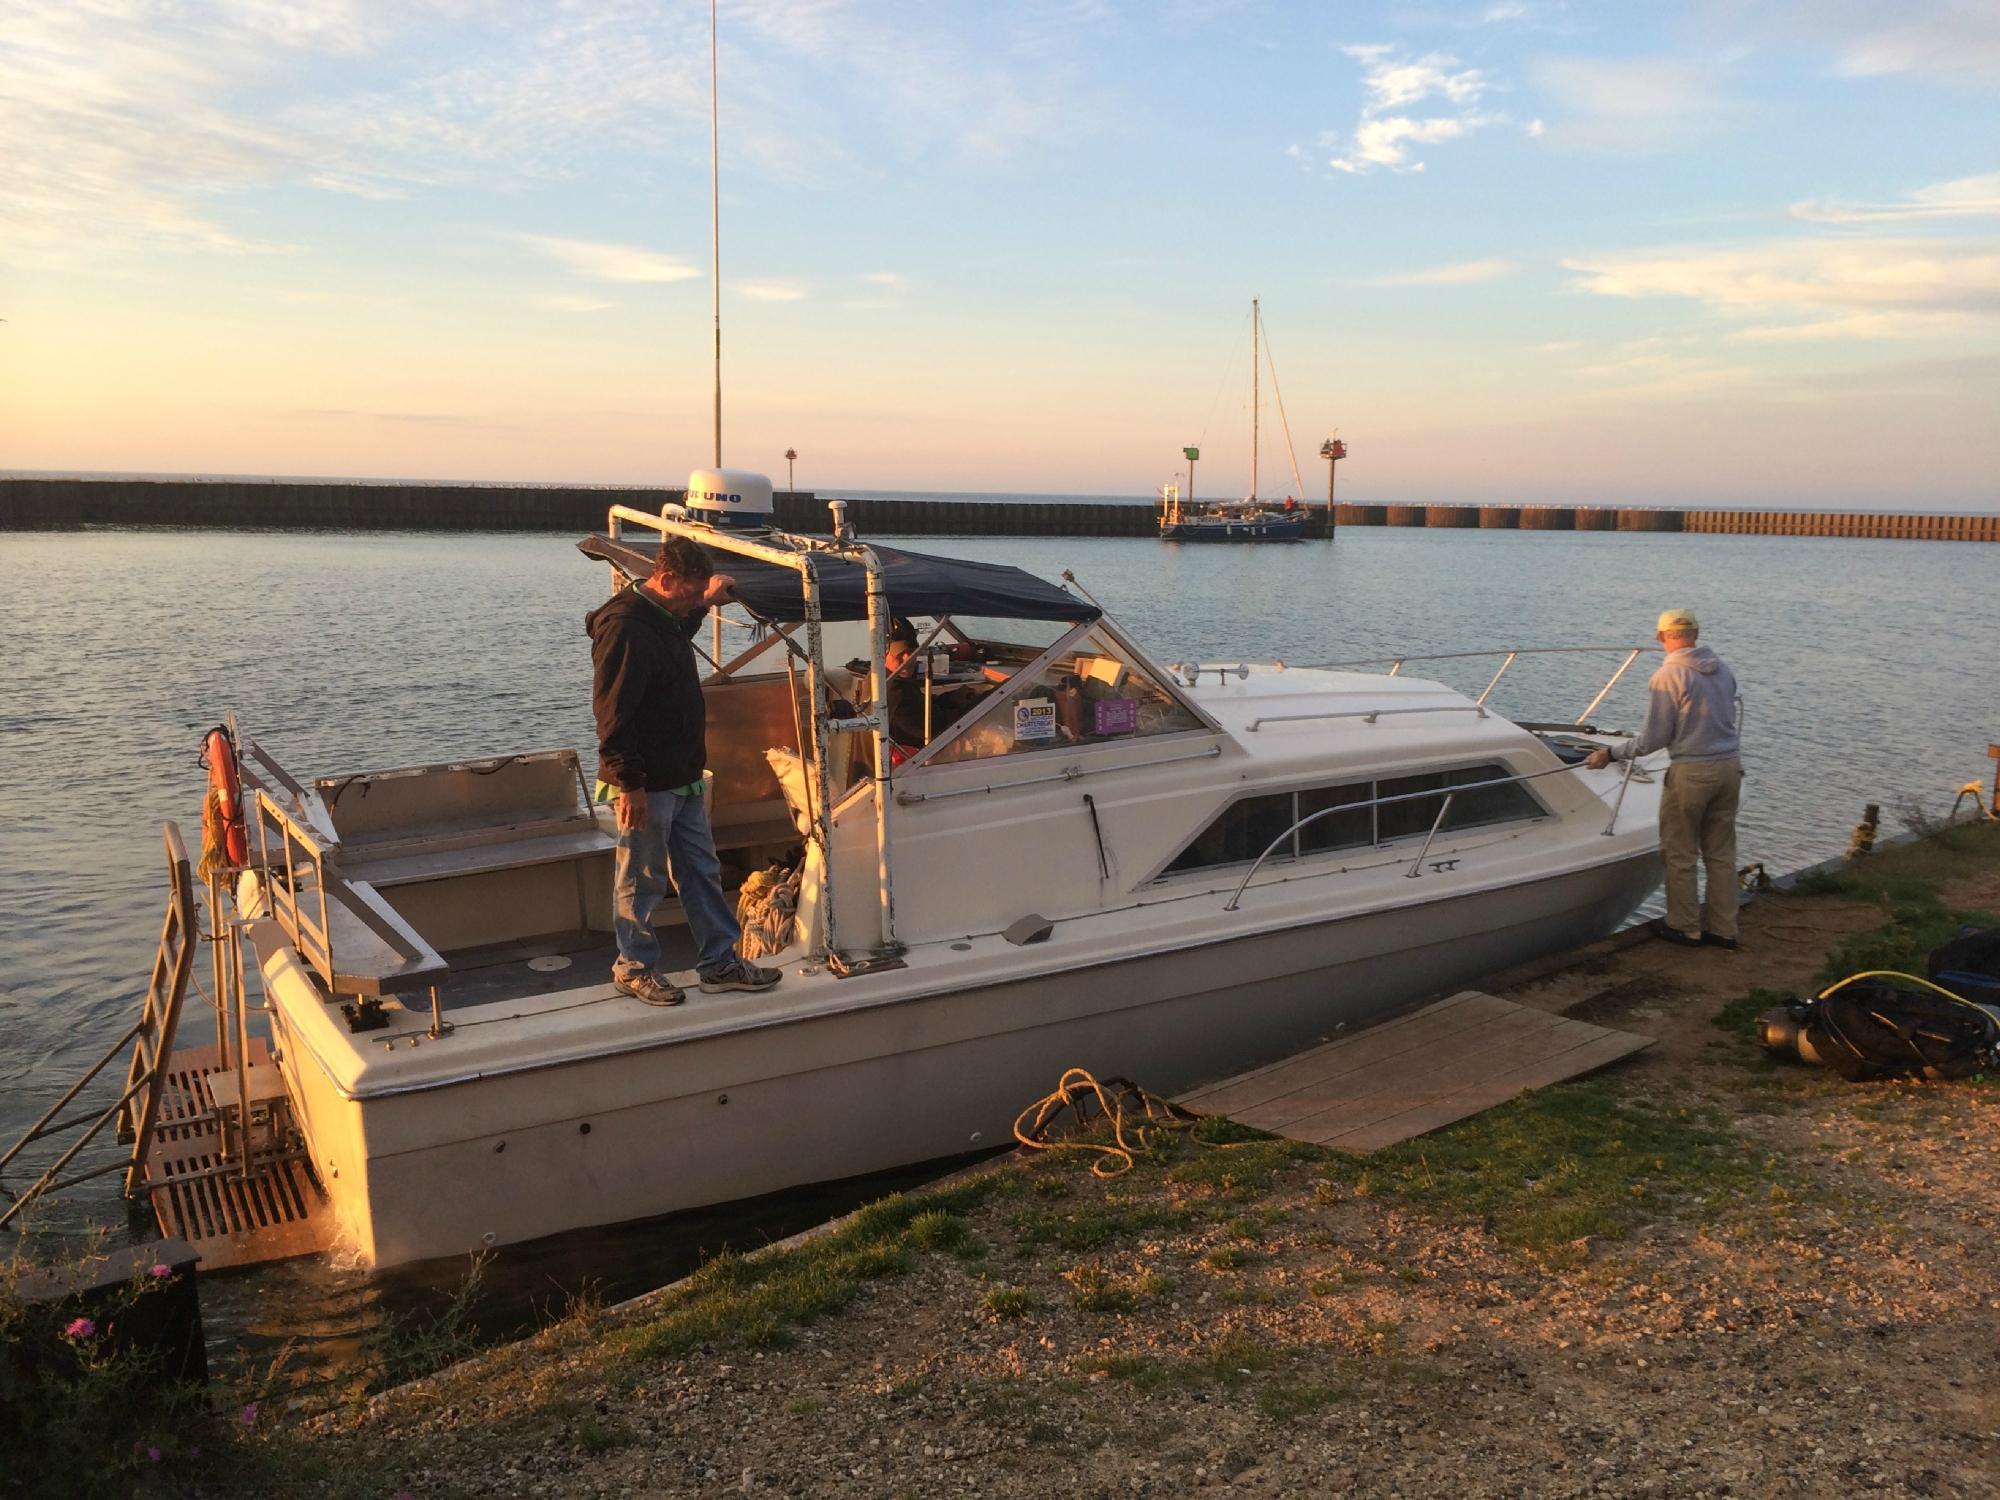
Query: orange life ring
{"x": 227, "y": 790}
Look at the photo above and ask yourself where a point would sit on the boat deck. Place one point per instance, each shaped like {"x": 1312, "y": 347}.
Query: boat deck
{"x": 274, "y": 1214}
{"x": 515, "y": 970}
{"x": 1414, "y": 1074}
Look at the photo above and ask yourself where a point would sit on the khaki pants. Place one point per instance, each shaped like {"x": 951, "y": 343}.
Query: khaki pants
{"x": 1698, "y": 825}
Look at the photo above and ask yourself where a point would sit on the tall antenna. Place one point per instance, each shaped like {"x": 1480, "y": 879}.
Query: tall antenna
{"x": 715, "y": 231}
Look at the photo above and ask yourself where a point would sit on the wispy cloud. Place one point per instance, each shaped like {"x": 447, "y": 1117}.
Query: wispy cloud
{"x": 1630, "y": 105}
{"x": 562, "y": 303}
{"x": 769, "y": 291}
{"x": 1890, "y": 325}
{"x": 1463, "y": 273}
{"x": 1396, "y": 85}
{"x": 1559, "y": 346}
{"x": 1962, "y": 198}
{"x": 608, "y": 262}
{"x": 1936, "y": 37}
{"x": 129, "y": 126}
{"x": 1829, "y": 288}
{"x": 885, "y": 278}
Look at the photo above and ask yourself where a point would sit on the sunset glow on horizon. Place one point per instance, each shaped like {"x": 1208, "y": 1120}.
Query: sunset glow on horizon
{"x": 1512, "y": 252}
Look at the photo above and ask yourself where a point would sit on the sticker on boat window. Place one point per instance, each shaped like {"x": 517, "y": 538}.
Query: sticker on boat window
{"x": 1034, "y": 719}
{"x": 1114, "y": 716}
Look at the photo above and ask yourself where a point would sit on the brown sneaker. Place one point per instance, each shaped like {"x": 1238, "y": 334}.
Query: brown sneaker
{"x": 738, "y": 974}
{"x": 649, "y": 987}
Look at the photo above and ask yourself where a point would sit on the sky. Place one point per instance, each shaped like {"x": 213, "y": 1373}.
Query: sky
{"x": 1508, "y": 250}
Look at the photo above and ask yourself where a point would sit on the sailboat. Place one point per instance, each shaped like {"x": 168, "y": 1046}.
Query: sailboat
{"x": 1245, "y": 520}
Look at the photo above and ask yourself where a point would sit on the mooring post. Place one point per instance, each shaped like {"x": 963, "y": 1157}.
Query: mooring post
{"x": 1993, "y": 805}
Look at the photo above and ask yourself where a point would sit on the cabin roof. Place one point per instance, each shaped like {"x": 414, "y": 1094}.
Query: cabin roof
{"x": 918, "y": 584}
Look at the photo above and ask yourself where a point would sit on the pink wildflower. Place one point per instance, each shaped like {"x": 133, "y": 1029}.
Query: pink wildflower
{"x": 250, "y": 1415}
{"x": 161, "y": 1272}
{"x": 80, "y": 1328}
{"x": 153, "y": 1454}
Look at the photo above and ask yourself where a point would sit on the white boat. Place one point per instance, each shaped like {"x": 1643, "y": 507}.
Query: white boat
{"x": 1168, "y": 873}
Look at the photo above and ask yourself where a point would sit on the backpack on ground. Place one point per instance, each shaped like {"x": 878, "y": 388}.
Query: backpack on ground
{"x": 1969, "y": 965}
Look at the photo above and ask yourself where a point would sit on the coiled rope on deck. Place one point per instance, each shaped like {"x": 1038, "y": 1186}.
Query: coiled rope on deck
{"x": 1135, "y": 1116}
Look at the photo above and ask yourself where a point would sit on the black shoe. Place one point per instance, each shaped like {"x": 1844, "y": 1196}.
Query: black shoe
{"x": 1673, "y": 934}
{"x": 1728, "y": 945}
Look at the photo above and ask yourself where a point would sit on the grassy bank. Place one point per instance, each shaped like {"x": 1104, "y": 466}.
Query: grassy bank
{"x": 1704, "y": 1271}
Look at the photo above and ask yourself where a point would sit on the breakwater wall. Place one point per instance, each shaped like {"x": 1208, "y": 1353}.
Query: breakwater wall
{"x": 58, "y": 504}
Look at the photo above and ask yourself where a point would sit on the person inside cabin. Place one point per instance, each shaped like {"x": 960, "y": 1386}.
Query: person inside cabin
{"x": 908, "y": 686}
{"x": 651, "y": 751}
{"x": 1691, "y": 713}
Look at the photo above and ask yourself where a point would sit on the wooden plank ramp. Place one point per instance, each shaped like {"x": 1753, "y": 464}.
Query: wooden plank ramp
{"x": 274, "y": 1214}
{"x": 1413, "y": 1074}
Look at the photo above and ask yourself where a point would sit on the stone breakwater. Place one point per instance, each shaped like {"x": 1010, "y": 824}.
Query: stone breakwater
{"x": 59, "y": 504}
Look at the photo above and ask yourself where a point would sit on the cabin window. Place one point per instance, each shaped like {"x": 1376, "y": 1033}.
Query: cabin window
{"x": 1093, "y": 695}
{"x": 1244, "y": 829}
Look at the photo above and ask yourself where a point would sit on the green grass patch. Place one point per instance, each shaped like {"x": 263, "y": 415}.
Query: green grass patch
{"x": 1568, "y": 1163}
{"x": 757, "y": 1301}
{"x": 1091, "y": 1226}
{"x": 939, "y": 1229}
{"x": 1288, "y": 1400}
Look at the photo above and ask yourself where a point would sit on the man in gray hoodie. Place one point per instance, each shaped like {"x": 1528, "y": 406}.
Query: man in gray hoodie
{"x": 1692, "y": 714}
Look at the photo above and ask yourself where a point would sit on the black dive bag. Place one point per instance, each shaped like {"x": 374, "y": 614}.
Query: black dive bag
{"x": 1880, "y": 1028}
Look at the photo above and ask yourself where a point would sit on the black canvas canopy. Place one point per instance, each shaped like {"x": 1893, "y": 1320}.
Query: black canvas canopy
{"x": 918, "y": 584}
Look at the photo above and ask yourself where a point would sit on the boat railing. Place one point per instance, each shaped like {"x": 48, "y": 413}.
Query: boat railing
{"x": 1437, "y": 824}
{"x": 1508, "y": 654}
{"x": 1370, "y": 715}
{"x": 299, "y": 852}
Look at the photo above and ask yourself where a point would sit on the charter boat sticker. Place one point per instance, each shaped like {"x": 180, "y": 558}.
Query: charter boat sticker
{"x": 1034, "y": 720}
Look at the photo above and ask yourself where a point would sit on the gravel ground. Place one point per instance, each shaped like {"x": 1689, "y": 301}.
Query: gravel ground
{"x": 1833, "y": 1334}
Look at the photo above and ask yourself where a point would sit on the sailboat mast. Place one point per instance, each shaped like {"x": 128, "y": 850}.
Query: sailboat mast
{"x": 1253, "y": 398}
{"x": 715, "y": 230}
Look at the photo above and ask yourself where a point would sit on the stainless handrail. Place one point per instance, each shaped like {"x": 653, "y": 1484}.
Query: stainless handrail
{"x": 281, "y": 896}
{"x": 1370, "y": 715}
{"x": 1395, "y": 664}
{"x": 1448, "y": 793}
{"x": 1067, "y": 773}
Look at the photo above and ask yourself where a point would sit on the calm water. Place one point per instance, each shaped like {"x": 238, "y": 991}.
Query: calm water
{"x": 1861, "y": 664}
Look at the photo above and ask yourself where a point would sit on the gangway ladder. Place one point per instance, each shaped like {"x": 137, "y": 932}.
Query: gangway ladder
{"x": 151, "y": 1038}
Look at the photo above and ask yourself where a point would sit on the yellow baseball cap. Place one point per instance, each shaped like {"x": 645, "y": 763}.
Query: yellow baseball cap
{"x": 1677, "y": 622}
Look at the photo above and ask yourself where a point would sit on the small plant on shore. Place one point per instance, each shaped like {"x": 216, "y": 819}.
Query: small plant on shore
{"x": 1095, "y": 1289}
{"x": 84, "y": 1410}
{"x": 939, "y": 1229}
{"x": 406, "y": 1348}
{"x": 1007, "y": 1302}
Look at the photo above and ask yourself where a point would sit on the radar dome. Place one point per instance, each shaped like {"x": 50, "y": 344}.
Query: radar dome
{"x": 730, "y": 499}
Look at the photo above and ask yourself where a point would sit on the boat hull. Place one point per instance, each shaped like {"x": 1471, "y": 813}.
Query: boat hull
{"x": 1263, "y": 529}
{"x": 728, "y": 1116}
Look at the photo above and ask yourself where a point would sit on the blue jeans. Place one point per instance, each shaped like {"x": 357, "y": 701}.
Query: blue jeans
{"x": 676, "y": 840}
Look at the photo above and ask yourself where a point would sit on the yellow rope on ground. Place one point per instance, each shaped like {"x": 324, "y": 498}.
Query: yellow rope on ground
{"x": 1073, "y": 1092}
{"x": 1912, "y": 978}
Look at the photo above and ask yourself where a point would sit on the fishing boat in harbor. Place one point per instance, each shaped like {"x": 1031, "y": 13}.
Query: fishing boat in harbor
{"x": 1164, "y": 871}
{"x": 1248, "y": 519}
